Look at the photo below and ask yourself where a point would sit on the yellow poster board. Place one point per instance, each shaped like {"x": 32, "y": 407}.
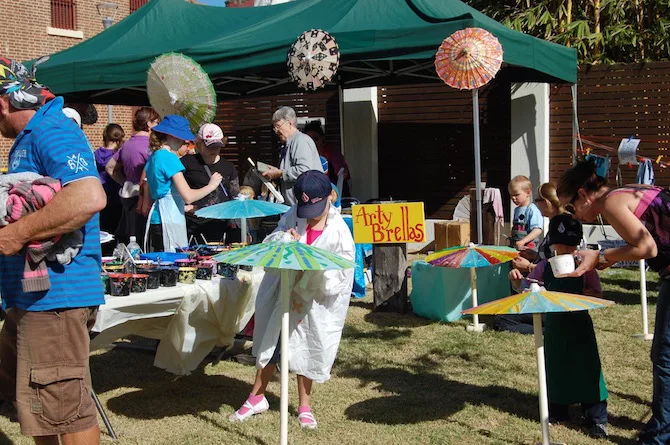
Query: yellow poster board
{"x": 389, "y": 223}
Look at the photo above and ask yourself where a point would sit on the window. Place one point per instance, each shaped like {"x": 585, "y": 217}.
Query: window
{"x": 64, "y": 14}
{"x": 137, "y": 4}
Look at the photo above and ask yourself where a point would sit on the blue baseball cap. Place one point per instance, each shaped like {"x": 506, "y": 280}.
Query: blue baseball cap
{"x": 312, "y": 191}
{"x": 176, "y": 126}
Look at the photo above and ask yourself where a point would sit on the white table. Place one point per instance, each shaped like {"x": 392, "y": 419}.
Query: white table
{"x": 189, "y": 319}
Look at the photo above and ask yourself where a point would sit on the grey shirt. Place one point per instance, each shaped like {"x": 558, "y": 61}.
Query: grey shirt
{"x": 300, "y": 155}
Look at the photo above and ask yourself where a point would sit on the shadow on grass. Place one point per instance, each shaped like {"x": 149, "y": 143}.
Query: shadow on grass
{"x": 392, "y": 319}
{"x": 356, "y": 302}
{"x": 629, "y": 290}
{"x": 4, "y": 440}
{"x": 352, "y": 333}
{"x": 423, "y": 396}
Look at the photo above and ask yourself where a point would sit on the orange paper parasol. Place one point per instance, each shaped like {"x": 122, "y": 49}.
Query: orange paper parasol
{"x": 469, "y": 58}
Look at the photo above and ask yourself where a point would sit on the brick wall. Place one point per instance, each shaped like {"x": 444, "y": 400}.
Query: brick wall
{"x": 23, "y": 36}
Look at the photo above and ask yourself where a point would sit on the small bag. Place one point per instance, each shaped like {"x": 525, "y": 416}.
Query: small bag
{"x": 144, "y": 200}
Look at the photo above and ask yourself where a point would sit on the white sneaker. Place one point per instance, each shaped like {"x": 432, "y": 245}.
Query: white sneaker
{"x": 260, "y": 407}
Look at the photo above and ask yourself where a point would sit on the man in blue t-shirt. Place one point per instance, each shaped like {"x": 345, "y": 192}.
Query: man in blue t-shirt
{"x": 46, "y": 373}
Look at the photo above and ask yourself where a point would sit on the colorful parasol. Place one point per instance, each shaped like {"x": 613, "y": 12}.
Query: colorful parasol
{"x": 290, "y": 255}
{"x": 537, "y": 301}
{"x": 285, "y": 254}
{"x": 469, "y": 59}
{"x": 177, "y": 84}
{"x": 313, "y": 59}
{"x": 242, "y": 208}
{"x": 471, "y": 257}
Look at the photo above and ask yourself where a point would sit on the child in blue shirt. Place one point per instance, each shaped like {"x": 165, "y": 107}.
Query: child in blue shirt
{"x": 527, "y": 222}
{"x": 168, "y": 187}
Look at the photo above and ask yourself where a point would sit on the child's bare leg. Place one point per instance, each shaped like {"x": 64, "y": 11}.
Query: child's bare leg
{"x": 263, "y": 377}
{"x": 305, "y": 416}
{"x": 304, "y": 390}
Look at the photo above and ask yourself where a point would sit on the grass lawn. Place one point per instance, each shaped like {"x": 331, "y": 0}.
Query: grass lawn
{"x": 397, "y": 380}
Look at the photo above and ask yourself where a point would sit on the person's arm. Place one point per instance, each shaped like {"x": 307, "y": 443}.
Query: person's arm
{"x": 639, "y": 242}
{"x": 533, "y": 235}
{"x": 191, "y": 195}
{"x": 69, "y": 210}
{"x": 592, "y": 287}
{"x": 146, "y": 195}
{"x": 115, "y": 171}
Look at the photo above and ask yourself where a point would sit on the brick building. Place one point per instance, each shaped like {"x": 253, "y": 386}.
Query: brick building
{"x": 33, "y": 28}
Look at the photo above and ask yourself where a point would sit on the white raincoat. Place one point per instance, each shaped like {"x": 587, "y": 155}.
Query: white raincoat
{"x": 318, "y": 305}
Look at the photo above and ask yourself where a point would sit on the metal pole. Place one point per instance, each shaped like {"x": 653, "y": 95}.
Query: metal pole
{"x": 478, "y": 165}
{"x": 285, "y": 295}
{"x": 340, "y": 94}
{"x": 106, "y": 23}
{"x": 105, "y": 420}
{"x": 575, "y": 123}
{"x": 541, "y": 377}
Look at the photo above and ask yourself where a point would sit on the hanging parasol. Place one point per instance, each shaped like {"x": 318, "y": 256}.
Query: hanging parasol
{"x": 468, "y": 59}
{"x": 471, "y": 257}
{"x": 537, "y": 301}
{"x": 313, "y": 59}
{"x": 242, "y": 208}
{"x": 177, "y": 84}
{"x": 286, "y": 254}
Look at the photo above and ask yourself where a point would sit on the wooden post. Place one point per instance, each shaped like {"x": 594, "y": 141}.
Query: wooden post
{"x": 390, "y": 278}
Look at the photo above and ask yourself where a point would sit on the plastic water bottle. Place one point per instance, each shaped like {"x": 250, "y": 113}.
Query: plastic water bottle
{"x": 134, "y": 248}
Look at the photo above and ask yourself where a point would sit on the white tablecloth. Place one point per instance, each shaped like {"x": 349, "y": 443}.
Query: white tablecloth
{"x": 189, "y": 320}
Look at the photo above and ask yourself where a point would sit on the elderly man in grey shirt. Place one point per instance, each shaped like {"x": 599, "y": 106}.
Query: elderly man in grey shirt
{"x": 298, "y": 155}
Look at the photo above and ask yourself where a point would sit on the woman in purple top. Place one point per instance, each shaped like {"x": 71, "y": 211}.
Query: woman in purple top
{"x": 641, "y": 216}
{"x": 112, "y": 139}
{"x": 126, "y": 167}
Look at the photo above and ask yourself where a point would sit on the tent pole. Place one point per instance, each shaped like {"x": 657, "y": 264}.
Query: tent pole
{"x": 285, "y": 295}
{"x": 340, "y": 99}
{"x": 542, "y": 377}
{"x": 575, "y": 123}
{"x": 478, "y": 165}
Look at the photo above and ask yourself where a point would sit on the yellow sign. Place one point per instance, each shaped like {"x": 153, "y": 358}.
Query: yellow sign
{"x": 389, "y": 223}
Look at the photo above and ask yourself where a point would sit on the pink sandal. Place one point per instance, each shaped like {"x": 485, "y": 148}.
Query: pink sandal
{"x": 247, "y": 410}
{"x": 307, "y": 420}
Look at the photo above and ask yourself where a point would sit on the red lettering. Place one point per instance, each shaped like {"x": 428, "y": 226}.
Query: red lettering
{"x": 377, "y": 233}
{"x": 419, "y": 229}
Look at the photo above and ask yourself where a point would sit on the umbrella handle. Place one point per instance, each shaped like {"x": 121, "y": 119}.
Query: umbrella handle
{"x": 541, "y": 377}
{"x": 285, "y": 296}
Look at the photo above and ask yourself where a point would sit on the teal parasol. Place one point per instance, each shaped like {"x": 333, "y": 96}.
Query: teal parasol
{"x": 242, "y": 208}
{"x": 285, "y": 254}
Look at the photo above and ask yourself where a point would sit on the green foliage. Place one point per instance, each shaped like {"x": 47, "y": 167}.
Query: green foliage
{"x": 629, "y": 30}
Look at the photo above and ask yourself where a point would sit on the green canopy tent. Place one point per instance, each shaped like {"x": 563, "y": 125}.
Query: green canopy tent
{"x": 244, "y": 49}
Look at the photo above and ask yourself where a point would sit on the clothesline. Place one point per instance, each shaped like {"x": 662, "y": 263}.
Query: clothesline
{"x": 587, "y": 150}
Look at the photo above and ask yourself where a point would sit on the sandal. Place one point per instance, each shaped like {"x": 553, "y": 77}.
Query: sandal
{"x": 307, "y": 420}
{"x": 260, "y": 407}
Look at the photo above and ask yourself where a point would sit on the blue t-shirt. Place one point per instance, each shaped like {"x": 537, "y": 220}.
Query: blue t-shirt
{"x": 161, "y": 166}
{"x": 527, "y": 218}
{"x": 53, "y": 145}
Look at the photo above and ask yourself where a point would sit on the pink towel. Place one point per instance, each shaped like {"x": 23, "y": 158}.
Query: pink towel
{"x": 24, "y": 198}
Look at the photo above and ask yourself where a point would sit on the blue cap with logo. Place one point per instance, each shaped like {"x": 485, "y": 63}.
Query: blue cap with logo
{"x": 312, "y": 192}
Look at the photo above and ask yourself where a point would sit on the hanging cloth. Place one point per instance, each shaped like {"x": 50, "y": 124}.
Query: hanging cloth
{"x": 603, "y": 164}
{"x": 645, "y": 173}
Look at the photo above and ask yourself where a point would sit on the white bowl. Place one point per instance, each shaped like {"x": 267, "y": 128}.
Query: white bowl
{"x": 562, "y": 264}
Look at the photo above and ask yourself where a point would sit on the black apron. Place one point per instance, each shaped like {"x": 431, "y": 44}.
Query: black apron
{"x": 573, "y": 367}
